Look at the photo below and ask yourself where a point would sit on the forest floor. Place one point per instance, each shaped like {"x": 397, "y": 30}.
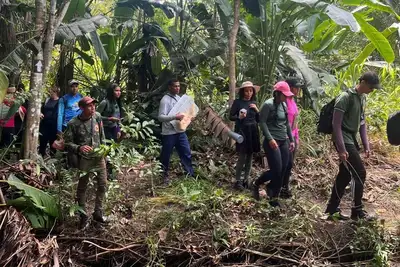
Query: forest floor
{"x": 204, "y": 222}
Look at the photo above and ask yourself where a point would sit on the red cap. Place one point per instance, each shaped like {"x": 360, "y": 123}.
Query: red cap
{"x": 284, "y": 88}
{"x": 86, "y": 100}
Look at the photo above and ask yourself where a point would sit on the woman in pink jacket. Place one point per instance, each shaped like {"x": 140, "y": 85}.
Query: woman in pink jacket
{"x": 293, "y": 113}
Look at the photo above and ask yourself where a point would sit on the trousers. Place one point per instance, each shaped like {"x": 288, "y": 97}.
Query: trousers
{"x": 245, "y": 161}
{"x": 277, "y": 162}
{"x": 181, "y": 143}
{"x": 94, "y": 167}
{"x": 352, "y": 170}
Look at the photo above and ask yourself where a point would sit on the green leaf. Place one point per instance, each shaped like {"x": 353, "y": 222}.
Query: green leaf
{"x": 98, "y": 46}
{"x": 40, "y": 199}
{"x": 76, "y": 9}
{"x": 132, "y": 48}
{"x": 3, "y": 85}
{"x": 373, "y": 4}
{"x": 225, "y": 7}
{"x": 87, "y": 58}
{"x": 369, "y": 48}
{"x": 342, "y": 17}
{"x": 378, "y": 39}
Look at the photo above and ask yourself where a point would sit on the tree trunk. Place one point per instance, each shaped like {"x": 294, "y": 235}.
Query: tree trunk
{"x": 31, "y": 133}
{"x": 40, "y": 67}
{"x": 232, "y": 52}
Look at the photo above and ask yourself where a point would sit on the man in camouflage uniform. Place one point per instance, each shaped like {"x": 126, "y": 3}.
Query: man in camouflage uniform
{"x": 83, "y": 135}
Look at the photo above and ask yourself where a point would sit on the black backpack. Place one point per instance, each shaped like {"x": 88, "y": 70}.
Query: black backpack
{"x": 393, "y": 129}
{"x": 324, "y": 124}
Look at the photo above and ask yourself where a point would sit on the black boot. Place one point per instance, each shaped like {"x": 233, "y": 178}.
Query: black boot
{"x": 285, "y": 193}
{"x": 360, "y": 214}
{"x": 239, "y": 185}
{"x": 255, "y": 190}
{"x": 98, "y": 216}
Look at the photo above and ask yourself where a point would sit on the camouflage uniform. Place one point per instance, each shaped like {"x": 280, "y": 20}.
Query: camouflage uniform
{"x": 91, "y": 133}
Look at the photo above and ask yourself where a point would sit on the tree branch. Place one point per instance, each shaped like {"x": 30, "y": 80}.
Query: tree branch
{"x": 61, "y": 14}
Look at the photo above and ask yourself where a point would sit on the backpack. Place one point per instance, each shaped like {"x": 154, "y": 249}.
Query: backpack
{"x": 393, "y": 129}
{"x": 324, "y": 124}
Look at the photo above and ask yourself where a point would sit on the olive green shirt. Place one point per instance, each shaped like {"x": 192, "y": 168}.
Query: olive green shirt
{"x": 352, "y": 105}
{"x": 84, "y": 132}
{"x": 273, "y": 121}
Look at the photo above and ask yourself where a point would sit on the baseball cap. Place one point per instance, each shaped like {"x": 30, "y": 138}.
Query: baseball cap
{"x": 372, "y": 79}
{"x": 71, "y": 82}
{"x": 294, "y": 82}
{"x": 284, "y": 88}
{"x": 86, "y": 100}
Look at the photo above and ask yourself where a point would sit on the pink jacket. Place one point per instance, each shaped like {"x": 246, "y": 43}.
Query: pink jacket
{"x": 293, "y": 112}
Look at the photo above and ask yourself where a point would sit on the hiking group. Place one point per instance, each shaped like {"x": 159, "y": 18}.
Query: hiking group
{"x": 71, "y": 123}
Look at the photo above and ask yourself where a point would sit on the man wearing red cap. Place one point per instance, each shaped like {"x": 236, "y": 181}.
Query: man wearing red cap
{"x": 83, "y": 135}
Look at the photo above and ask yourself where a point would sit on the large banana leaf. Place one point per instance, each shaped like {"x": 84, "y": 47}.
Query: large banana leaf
{"x": 378, "y": 39}
{"x": 3, "y": 85}
{"x": 40, "y": 199}
{"x": 79, "y": 28}
{"x": 373, "y": 4}
{"x": 76, "y": 9}
{"x": 342, "y": 17}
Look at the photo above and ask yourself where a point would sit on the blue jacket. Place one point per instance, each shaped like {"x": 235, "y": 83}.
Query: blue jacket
{"x": 67, "y": 109}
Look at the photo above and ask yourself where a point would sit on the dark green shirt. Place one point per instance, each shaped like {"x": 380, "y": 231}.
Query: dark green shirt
{"x": 273, "y": 121}
{"x": 353, "y": 106}
{"x": 109, "y": 109}
{"x": 84, "y": 132}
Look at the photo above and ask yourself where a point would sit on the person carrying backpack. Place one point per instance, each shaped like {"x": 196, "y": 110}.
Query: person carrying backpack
{"x": 275, "y": 126}
{"x": 68, "y": 106}
{"x": 347, "y": 120}
{"x": 245, "y": 113}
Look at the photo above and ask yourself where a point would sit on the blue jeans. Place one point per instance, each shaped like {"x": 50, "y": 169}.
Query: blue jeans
{"x": 181, "y": 143}
{"x": 277, "y": 160}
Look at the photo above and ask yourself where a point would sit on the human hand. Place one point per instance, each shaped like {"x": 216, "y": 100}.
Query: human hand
{"x": 273, "y": 144}
{"x": 85, "y": 149}
{"x": 292, "y": 146}
{"x": 254, "y": 106}
{"x": 179, "y": 116}
{"x": 367, "y": 153}
{"x": 242, "y": 115}
{"x": 41, "y": 116}
{"x": 344, "y": 156}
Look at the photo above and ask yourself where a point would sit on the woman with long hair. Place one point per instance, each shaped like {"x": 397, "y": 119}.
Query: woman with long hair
{"x": 111, "y": 111}
{"x": 48, "y": 123}
{"x": 245, "y": 113}
{"x": 293, "y": 113}
{"x": 275, "y": 126}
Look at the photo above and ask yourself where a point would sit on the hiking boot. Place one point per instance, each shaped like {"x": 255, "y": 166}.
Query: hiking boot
{"x": 83, "y": 221}
{"x": 274, "y": 203}
{"x": 359, "y": 214}
{"x": 285, "y": 193}
{"x": 98, "y": 217}
{"x": 239, "y": 186}
{"x": 255, "y": 191}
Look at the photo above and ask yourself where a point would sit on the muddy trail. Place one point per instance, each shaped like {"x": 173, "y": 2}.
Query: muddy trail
{"x": 204, "y": 222}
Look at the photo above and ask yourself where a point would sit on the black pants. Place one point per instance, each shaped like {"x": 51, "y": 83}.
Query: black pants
{"x": 277, "y": 161}
{"x": 48, "y": 134}
{"x": 353, "y": 168}
{"x": 288, "y": 172}
{"x": 111, "y": 133}
{"x": 7, "y": 136}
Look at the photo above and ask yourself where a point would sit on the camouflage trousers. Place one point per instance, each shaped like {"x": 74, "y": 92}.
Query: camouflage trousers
{"x": 94, "y": 167}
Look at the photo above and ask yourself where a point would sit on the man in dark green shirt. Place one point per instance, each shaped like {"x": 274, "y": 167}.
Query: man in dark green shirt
{"x": 83, "y": 135}
{"x": 348, "y": 119}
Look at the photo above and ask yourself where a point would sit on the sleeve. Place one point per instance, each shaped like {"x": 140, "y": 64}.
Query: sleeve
{"x": 163, "y": 112}
{"x": 60, "y": 118}
{"x": 289, "y": 131}
{"x": 233, "y": 113}
{"x": 69, "y": 139}
{"x": 337, "y": 130}
{"x": 101, "y": 108}
{"x": 264, "y": 113}
{"x": 342, "y": 102}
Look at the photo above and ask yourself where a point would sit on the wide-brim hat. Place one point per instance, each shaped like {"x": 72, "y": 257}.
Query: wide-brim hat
{"x": 248, "y": 84}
